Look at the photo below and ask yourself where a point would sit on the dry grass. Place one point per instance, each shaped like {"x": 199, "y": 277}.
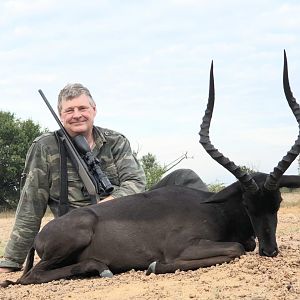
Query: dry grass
{"x": 291, "y": 199}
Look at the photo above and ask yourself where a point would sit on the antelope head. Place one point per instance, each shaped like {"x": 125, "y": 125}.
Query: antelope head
{"x": 260, "y": 193}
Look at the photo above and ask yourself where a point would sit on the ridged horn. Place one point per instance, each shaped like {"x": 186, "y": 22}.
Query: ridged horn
{"x": 245, "y": 179}
{"x": 272, "y": 180}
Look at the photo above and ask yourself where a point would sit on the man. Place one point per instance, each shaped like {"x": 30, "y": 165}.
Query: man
{"x": 40, "y": 184}
{"x": 41, "y": 178}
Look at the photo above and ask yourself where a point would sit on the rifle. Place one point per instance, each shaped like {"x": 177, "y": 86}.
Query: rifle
{"x": 86, "y": 164}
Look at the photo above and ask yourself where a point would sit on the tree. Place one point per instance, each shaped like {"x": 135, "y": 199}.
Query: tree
{"x": 154, "y": 171}
{"x": 250, "y": 170}
{"x": 216, "y": 186}
{"x": 16, "y": 137}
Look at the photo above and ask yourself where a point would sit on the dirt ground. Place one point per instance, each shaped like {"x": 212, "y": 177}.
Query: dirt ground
{"x": 250, "y": 277}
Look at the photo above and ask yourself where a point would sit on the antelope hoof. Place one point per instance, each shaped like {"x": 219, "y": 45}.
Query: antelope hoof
{"x": 106, "y": 274}
{"x": 151, "y": 268}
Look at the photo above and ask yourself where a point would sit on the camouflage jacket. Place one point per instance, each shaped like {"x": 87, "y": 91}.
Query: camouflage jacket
{"x": 40, "y": 185}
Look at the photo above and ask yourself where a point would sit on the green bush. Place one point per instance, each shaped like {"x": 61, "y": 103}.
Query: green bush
{"x": 15, "y": 138}
{"x": 216, "y": 186}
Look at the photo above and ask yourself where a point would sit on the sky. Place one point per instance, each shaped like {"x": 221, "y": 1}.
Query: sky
{"x": 147, "y": 65}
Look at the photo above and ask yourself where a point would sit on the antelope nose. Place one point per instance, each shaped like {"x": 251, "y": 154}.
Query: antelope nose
{"x": 269, "y": 253}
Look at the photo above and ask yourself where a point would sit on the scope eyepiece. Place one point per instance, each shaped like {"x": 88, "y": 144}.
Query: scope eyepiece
{"x": 81, "y": 144}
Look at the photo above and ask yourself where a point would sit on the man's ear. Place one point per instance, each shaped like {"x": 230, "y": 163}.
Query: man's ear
{"x": 95, "y": 109}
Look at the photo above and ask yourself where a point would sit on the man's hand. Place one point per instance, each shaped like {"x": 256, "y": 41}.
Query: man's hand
{"x": 106, "y": 199}
{"x": 7, "y": 270}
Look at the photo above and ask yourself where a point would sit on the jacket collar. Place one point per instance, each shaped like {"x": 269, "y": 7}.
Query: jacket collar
{"x": 99, "y": 138}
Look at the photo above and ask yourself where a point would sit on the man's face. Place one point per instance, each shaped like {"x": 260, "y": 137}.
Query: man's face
{"x": 77, "y": 115}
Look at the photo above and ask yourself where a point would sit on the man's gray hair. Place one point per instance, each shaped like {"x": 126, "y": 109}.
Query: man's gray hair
{"x": 71, "y": 91}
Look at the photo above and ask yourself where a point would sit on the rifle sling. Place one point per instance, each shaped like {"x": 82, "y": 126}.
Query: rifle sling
{"x": 63, "y": 206}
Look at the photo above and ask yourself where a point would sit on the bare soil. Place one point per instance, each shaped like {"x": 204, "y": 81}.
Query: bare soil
{"x": 250, "y": 277}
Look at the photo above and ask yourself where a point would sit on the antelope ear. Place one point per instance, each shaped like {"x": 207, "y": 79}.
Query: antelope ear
{"x": 289, "y": 181}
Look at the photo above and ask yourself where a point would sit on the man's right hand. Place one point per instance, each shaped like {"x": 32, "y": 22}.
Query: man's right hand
{"x": 7, "y": 270}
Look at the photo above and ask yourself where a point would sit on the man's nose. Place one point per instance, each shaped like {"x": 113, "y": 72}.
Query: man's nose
{"x": 76, "y": 113}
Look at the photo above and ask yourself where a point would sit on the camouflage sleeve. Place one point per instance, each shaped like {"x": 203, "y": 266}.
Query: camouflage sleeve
{"x": 31, "y": 208}
{"x": 131, "y": 174}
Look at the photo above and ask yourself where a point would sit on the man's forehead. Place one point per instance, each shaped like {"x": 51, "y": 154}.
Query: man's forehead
{"x": 77, "y": 101}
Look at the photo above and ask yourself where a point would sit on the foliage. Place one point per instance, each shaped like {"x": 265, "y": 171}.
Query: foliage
{"x": 15, "y": 139}
{"x": 216, "y": 186}
{"x": 153, "y": 170}
{"x": 249, "y": 170}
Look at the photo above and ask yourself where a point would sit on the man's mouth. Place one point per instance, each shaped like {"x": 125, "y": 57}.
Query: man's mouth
{"x": 77, "y": 123}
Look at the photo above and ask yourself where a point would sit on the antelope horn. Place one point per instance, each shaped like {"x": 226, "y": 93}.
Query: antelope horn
{"x": 272, "y": 180}
{"x": 245, "y": 179}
